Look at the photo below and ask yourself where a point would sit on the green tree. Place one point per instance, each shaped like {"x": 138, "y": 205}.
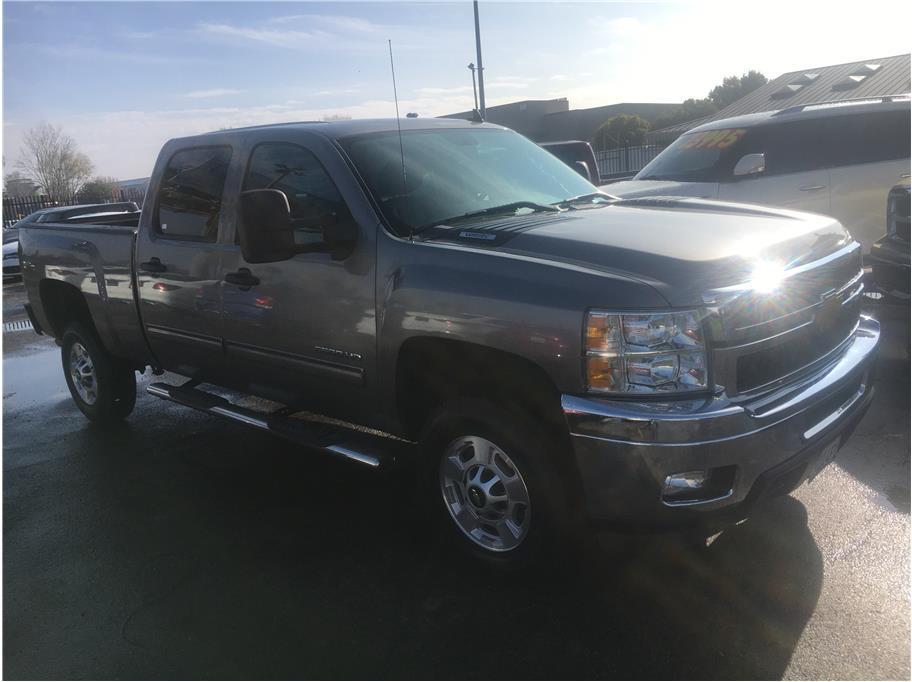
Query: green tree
{"x": 734, "y": 88}
{"x": 689, "y": 110}
{"x": 98, "y": 189}
{"x": 621, "y": 131}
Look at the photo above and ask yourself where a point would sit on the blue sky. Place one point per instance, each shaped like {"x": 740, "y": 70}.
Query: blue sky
{"x": 122, "y": 77}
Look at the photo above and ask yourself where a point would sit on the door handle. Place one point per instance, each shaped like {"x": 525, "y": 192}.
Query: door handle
{"x": 811, "y": 188}
{"x": 242, "y": 278}
{"x": 153, "y": 265}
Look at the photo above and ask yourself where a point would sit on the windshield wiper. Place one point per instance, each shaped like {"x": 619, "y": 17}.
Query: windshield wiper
{"x": 585, "y": 198}
{"x": 512, "y": 207}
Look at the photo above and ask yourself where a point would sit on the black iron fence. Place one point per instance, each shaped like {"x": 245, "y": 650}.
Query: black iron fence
{"x": 16, "y": 208}
{"x": 623, "y": 161}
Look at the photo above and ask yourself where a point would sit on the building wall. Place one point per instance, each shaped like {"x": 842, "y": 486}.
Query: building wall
{"x": 526, "y": 118}
{"x": 552, "y": 120}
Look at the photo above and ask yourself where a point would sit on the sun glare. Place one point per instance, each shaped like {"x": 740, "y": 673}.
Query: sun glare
{"x": 766, "y": 276}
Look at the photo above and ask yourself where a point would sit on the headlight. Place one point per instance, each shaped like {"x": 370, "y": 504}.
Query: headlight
{"x": 645, "y": 353}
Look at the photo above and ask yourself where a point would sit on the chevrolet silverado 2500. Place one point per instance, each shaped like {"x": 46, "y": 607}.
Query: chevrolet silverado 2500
{"x": 453, "y": 294}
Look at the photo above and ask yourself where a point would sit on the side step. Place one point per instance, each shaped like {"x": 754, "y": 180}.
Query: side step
{"x": 363, "y": 447}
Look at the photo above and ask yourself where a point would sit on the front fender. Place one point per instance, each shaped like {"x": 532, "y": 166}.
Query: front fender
{"x": 530, "y": 308}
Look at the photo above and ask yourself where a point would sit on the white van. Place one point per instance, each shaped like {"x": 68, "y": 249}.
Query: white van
{"x": 837, "y": 158}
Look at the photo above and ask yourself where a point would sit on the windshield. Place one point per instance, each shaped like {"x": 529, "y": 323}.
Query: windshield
{"x": 451, "y": 172}
{"x": 695, "y": 157}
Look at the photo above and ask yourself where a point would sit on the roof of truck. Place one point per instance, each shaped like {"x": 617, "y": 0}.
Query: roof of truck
{"x": 339, "y": 129}
{"x": 811, "y": 110}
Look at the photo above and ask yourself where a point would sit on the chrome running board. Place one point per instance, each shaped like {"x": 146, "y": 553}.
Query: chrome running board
{"x": 368, "y": 448}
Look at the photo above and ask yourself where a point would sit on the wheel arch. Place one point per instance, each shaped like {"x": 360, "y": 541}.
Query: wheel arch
{"x": 62, "y": 304}
{"x": 431, "y": 371}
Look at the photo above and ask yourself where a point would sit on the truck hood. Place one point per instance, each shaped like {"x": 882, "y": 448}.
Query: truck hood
{"x": 629, "y": 189}
{"x": 681, "y": 247}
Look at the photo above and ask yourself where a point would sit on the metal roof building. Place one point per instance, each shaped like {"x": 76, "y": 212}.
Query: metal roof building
{"x": 867, "y": 78}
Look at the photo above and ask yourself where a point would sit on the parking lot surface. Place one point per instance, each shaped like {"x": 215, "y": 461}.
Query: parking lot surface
{"x": 179, "y": 545}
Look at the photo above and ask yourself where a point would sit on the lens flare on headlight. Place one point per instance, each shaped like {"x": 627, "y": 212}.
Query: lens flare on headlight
{"x": 766, "y": 277}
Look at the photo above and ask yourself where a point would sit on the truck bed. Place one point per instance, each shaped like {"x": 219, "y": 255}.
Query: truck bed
{"x": 95, "y": 259}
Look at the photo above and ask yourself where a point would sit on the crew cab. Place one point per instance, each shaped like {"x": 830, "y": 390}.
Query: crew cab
{"x": 451, "y": 296}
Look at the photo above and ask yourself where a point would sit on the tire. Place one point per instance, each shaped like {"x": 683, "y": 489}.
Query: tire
{"x": 484, "y": 465}
{"x": 103, "y": 387}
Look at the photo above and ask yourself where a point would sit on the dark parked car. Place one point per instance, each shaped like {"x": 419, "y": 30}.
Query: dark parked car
{"x": 890, "y": 254}
{"x": 460, "y": 299}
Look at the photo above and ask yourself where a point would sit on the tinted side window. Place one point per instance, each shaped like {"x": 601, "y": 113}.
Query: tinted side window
{"x": 191, "y": 193}
{"x": 868, "y": 138}
{"x": 313, "y": 198}
{"x": 797, "y": 147}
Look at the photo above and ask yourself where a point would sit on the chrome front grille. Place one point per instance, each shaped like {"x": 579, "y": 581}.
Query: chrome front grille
{"x": 763, "y": 340}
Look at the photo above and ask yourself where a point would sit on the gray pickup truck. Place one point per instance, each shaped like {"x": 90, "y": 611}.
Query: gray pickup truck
{"x": 454, "y": 296}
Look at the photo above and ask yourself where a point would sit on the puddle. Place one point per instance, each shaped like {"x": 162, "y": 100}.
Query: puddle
{"x": 33, "y": 379}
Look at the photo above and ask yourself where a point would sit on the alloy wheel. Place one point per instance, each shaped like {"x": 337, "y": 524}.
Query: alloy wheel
{"x": 485, "y": 494}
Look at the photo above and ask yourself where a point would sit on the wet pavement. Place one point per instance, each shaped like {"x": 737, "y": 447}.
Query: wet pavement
{"x": 179, "y": 545}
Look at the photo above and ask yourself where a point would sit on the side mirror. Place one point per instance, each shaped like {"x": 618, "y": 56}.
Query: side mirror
{"x": 750, "y": 164}
{"x": 582, "y": 168}
{"x": 266, "y": 232}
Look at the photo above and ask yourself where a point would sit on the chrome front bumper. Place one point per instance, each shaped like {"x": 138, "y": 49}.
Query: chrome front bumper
{"x": 625, "y": 450}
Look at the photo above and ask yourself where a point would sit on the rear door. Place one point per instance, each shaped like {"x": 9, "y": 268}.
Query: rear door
{"x": 870, "y": 155}
{"x": 178, "y": 261}
{"x": 796, "y": 175}
{"x": 305, "y": 331}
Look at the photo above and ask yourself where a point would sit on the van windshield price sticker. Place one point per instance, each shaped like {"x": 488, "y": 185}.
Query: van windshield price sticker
{"x": 714, "y": 139}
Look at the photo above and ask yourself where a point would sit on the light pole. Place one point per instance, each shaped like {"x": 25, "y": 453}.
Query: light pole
{"x": 481, "y": 96}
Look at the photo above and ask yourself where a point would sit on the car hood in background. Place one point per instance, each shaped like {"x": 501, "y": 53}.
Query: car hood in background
{"x": 667, "y": 188}
{"x": 681, "y": 247}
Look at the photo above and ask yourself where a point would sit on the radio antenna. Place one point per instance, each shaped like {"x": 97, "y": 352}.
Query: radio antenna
{"x": 398, "y": 124}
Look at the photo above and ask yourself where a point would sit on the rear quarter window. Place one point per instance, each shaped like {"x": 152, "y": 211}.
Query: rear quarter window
{"x": 190, "y": 196}
{"x": 869, "y": 137}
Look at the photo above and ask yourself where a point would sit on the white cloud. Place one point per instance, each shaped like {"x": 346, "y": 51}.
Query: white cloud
{"x": 327, "y": 33}
{"x": 63, "y": 51}
{"x": 214, "y": 92}
{"x": 278, "y": 37}
{"x": 444, "y": 91}
{"x": 337, "y": 21}
{"x": 623, "y": 26}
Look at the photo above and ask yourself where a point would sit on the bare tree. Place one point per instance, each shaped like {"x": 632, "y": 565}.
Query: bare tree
{"x": 53, "y": 162}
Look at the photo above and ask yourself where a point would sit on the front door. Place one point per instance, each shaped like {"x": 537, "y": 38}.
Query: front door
{"x": 303, "y": 330}
{"x": 178, "y": 262}
{"x": 796, "y": 175}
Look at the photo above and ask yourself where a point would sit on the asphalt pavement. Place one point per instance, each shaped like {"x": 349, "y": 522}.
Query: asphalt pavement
{"x": 182, "y": 546}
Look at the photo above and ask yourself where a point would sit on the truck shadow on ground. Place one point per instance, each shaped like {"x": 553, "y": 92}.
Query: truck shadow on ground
{"x": 236, "y": 555}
